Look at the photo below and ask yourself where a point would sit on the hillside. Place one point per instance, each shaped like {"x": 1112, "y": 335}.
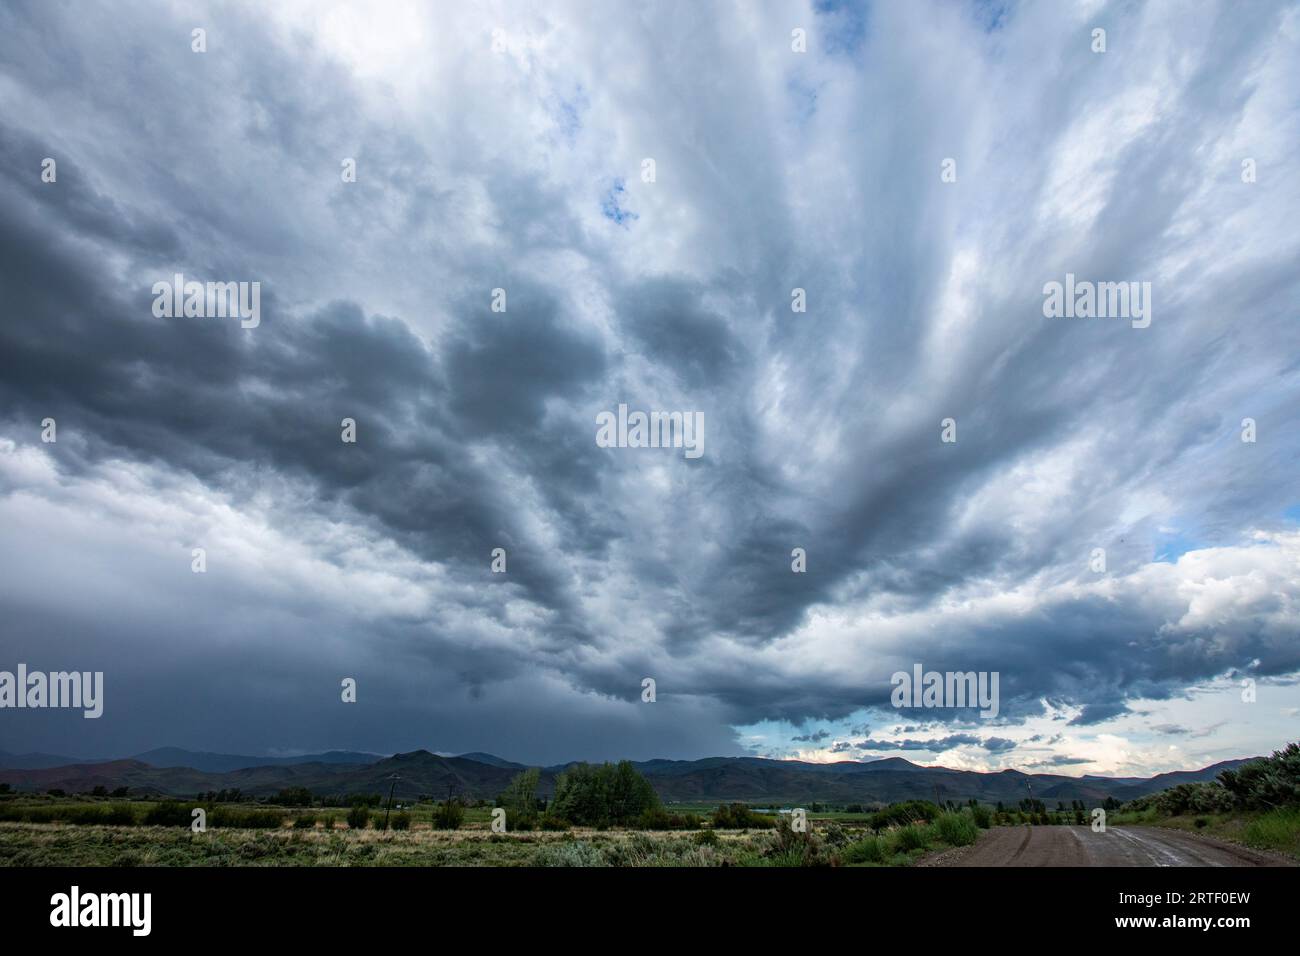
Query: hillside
{"x": 711, "y": 780}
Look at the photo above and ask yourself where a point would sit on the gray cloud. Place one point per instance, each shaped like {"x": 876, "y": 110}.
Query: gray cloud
{"x": 476, "y": 428}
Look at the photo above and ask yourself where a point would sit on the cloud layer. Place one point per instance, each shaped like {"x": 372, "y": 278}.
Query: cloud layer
{"x": 502, "y": 146}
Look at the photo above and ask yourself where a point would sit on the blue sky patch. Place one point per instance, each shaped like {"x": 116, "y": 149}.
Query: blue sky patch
{"x": 611, "y": 207}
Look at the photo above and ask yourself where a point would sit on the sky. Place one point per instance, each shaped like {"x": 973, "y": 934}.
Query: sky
{"x": 648, "y": 185}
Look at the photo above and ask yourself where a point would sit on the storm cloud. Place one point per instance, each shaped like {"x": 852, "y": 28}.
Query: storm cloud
{"x": 503, "y": 147}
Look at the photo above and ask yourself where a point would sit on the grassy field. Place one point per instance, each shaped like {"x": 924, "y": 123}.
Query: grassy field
{"x": 827, "y": 843}
{"x": 1277, "y": 830}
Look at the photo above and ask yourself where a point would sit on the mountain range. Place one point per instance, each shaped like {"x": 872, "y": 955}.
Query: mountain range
{"x": 181, "y": 773}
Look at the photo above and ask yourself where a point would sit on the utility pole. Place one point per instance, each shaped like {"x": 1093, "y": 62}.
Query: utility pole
{"x": 394, "y": 778}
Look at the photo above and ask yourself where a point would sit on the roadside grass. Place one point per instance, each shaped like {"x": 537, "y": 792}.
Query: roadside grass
{"x": 1277, "y": 830}
{"x": 906, "y": 844}
{"x": 1147, "y": 817}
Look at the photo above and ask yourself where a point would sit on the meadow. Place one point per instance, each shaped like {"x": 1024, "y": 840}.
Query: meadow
{"x": 42, "y": 831}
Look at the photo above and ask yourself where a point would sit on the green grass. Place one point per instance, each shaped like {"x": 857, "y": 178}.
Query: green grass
{"x": 904, "y": 845}
{"x": 38, "y": 830}
{"x": 1276, "y": 830}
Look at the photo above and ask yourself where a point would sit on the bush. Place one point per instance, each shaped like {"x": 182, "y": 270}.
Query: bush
{"x": 1268, "y": 783}
{"x": 903, "y": 814}
{"x": 169, "y": 813}
{"x": 983, "y": 817}
{"x": 233, "y": 818}
{"x": 791, "y": 847}
{"x": 570, "y": 854}
{"x": 737, "y": 816}
{"x": 304, "y": 821}
{"x": 956, "y": 829}
{"x": 835, "y": 835}
{"x": 401, "y": 821}
{"x": 358, "y": 816}
{"x": 1193, "y": 798}
{"x": 706, "y": 838}
{"x": 448, "y": 815}
{"x": 869, "y": 850}
{"x": 911, "y": 837}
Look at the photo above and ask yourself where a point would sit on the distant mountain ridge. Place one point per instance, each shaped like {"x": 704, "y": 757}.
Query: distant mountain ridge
{"x": 180, "y": 773}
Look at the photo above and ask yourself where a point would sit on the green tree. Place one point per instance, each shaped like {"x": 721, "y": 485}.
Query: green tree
{"x": 611, "y": 794}
{"x": 520, "y": 795}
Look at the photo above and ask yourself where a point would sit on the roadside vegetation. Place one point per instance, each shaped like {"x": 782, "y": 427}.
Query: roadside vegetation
{"x": 1256, "y": 805}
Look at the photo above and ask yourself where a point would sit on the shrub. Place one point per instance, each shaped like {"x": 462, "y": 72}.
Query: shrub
{"x": 1267, "y": 783}
{"x": 868, "y": 850}
{"x": 570, "y": 854}
{"x": 706, "y": 838}
{"x": 902, "y": 814}
{"x": 911, "y": 837}
{"x": 956, "y": 829}
{"x": 791, "y": 847}
{"x": 1193, "y": 798}
{"x": 448, "y": 815}
{"x": 835, "y": 835}
{"x": 983, "y": 817}
{"x": 234, "y": 818}
{"x": 358, "y": 816}
{"x": 737, "y": 816}
{"x": 304, "y": 821}
{"x": 655, "y": 818}
{"x": 401, "y": 821}
{"x": 554, "y": 824}
{"x": 169, "y": 813}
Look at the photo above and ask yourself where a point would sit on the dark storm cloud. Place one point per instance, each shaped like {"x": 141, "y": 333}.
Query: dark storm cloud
{"x": 475, "y": 428}
{"x": 814, "y": 738}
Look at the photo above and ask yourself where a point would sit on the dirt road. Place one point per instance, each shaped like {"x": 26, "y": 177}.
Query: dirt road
{"x": 1118, "y": 846}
